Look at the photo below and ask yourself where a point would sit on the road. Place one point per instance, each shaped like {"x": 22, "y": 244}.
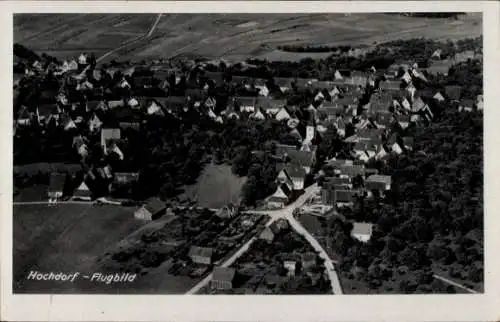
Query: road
{"x": 285, "y": 213}
{"x": 329, "y": 267}
{"x": 448, "y": 281}
{"x": 195, "y": 289}
{"x": 147, "y": 35}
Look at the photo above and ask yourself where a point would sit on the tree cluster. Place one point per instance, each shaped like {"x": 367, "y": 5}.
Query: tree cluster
{"x": 433, "y": 216}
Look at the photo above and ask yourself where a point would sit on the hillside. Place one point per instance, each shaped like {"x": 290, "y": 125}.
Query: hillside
{"x": 234, "y": 36}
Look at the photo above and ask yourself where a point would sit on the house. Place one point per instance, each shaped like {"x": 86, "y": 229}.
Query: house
{"x": 82, "y": 192}
{"x": 153, "y": 209}
{"x": 201, "y": 255}
{"x": 436, "y": 54}
{"x": 297, "y": 174}
{"x": 408, "y": 142}
{"x": 80, "y": 145}
{"x": 124, "y": 84}
{"x": 323, "y": 85}
{"x": 25, "y": 117}
{"x": 440, "y": 67}
{"x": 271, "y": 106}
{"x": 133, "y": 103}
{"x": 464, "y": 56}
{"x": 348, "y": 101}
{"x": 72, "y": 65}
{"x": 479, "y": 103}
{"x": 382, "y": 154}
{"x": 339, "y": 198}
{"x": 378, "y": 182}
{"x": 230, "y": 112}
{"x": 305, "y": 159}
{"x": 109, "y": 134}
{"x": 351, "y": 170}
{"x": 290, "y": 266}
{"x": 246, "y": 104}
{"x": 338, "y": 181}
{"x": 113, "y": 104}
{"x": 453, "y": 92}
{"x": 338, "y": 75}
{"x": 331, "y": 110}
{"x": 391, "y": 85}
{"x": 280, "y": 197}
{"x": 258, "y": 115}
{"x": 283, "y": 176}
{"x": 418, "y": 105}
{"x": 345, "y": 198}
{"x": 113, "y": 148}
{"x": 125, "y": 177}
{"x": 263, "y": 90}
{"x": 270, "y": 232}
{"x": 362, "y": 231}
{"x": 285, "y": 84}
{"x": 82, "y": 59}
{"x": 223, "y": 278}
{"x": 466, "y": 105}
{"x": 383, "y": 119}
{"x": 308, "y": 260}
{"x": 56, "y": 186}
{"x": 154, "y": 108}
{"x": 357, "y": 78}
{"x": 396, "y": 148}
{"x": 68, "y": 124}
{"x": 282, "y": 114}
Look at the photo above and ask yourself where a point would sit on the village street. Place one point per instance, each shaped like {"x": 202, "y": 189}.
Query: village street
{"x": 285, "y": 213}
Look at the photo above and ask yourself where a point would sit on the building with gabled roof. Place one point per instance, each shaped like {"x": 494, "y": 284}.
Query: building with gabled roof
{"x": 305, "y": 159}
{"x": 378, "y": 182}
{"x": 109, "y": 134}
{"x": 82, "y": 192}
{"x": 201, "y": 255}
{"x": 280, "y": 197}
{"x": 223, "y": 278}
{"x": 362, "y": 231}
{"x": 246, "y": 104}
{"x": 152, "y": 210}
{"x": 57, "y": 183}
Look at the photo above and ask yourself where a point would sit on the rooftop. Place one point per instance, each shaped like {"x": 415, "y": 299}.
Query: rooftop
{"x": 201, "y": 251}
{"x": 155, "y": 205}
{"x": 379, "y": 178}
{"x": 223, "y": 274}
{"x": 361, "y": 228}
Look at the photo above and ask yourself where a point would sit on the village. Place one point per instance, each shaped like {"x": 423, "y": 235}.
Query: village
{"x": 278, "y": 244}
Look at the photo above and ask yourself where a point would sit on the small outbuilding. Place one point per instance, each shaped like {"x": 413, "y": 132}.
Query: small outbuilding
{"x": 154, "y": 209}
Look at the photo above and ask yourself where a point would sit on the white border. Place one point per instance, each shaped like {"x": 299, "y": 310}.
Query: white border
{"x": 484, "y": 307}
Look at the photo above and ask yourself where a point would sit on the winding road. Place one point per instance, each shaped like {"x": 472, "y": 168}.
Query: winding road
{"x": 285, "y": 213}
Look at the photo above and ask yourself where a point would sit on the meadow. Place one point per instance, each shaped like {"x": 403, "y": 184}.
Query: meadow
{"x": 64, "y": 238}
{"x": 233, "y": 36}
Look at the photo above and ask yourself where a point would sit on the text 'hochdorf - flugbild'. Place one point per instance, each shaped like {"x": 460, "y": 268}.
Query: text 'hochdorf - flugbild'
{"x": 71, "y": 277}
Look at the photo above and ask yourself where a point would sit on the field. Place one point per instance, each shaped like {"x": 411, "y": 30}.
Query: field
{"x": 233, "y": 36}
{"x": 64, "y": 238}
{"x": 216, "y": 187}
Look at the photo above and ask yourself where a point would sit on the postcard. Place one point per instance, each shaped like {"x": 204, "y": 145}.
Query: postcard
{"x": 250, "y": 161}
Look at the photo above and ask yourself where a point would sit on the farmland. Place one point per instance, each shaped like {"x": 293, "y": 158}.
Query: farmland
{"x": 234, "y": 36}
{"x": 64, "y": 238}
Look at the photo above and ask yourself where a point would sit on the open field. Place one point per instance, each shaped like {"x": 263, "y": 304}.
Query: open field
{"x": 216, "y": 187}
{"x": 64, "y": 238}
{"x": 233, "y": 36}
